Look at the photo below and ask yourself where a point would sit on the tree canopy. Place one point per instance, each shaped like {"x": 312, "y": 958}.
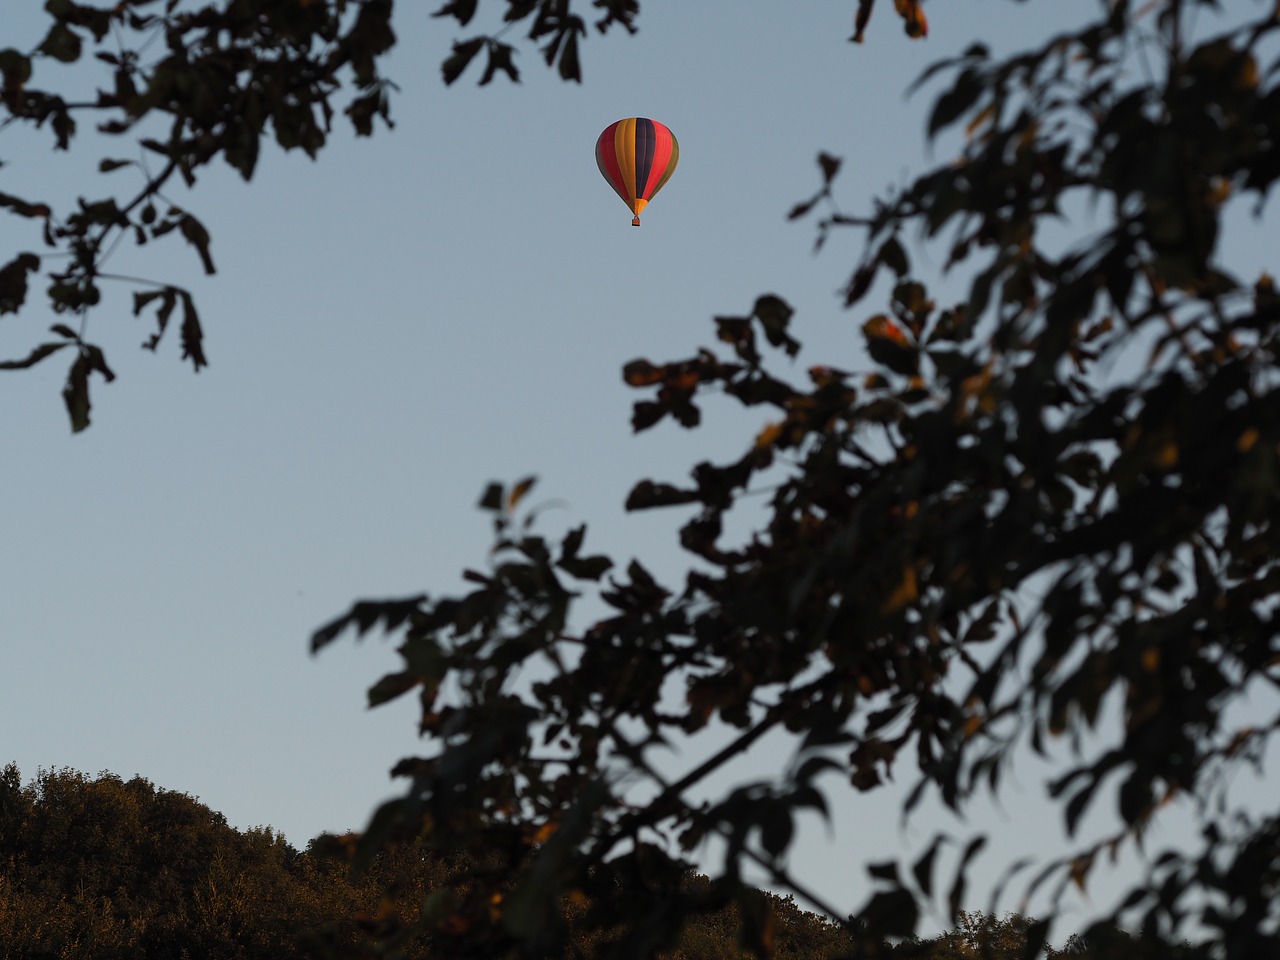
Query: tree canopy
{"x": 1042, "y": 518}
{"x": 100, "y": 867}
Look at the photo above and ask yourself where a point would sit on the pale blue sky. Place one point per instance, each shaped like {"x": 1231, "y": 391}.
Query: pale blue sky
{"x": 392, "y": 327}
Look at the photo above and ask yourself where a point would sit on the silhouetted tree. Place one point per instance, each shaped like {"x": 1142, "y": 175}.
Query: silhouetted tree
{"x": 104, "y": 868}
{"x": 97, "y": 868}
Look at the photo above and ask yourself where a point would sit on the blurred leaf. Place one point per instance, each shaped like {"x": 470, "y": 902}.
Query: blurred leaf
{"x": 461, "y": 10}
{"x": 642, "y": 373}
{"x": 192, "y": 334}
{"x": 76, "y": 392}
{"x": 196, "y": 235}
{"x": 888, "y": 345}
{"x": 923, "y": 868}
{"x": 34, "y": 357}
{"x": 586, "y": 568}
{"x": 15, "y": 69}
{"x": 913, "y": 18}
{"x": 774, "y": 314}
{"x": 861, "y": 19}
{"x": 391, "y": 686}
{"x": 893, "y": 256}
{"x": 953, "y": 104}
{"x": 646, "y": 495}
{"x": 22, "y": 208}
{"x": 759, "y": 923}
{"x": 518, "y": 492}
{"x": 463, "y": 54}
{"x": 776, "y": 830}
{"x": 886, "y": 870}
{"x": 800, "y": 209}
{"x": 500, "y": 59}
{"x": 61, "y": 43}
{"x": 891, "y": 913}
{"x": 1036, "y": 935}
{"x": 907, "y": 592}
{"x": 570, "y": 68}
{"x": 955, "y": 898}
{"x": 365, "y": 615}
{"x": 983, "y": 627}
{"x": 13, "y": 281}
{"x": 830, "y": 166}
{"x": 493, "y": 499}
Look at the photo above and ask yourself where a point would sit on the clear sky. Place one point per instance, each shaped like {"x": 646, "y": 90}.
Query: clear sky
{"x": 391, "y": 328}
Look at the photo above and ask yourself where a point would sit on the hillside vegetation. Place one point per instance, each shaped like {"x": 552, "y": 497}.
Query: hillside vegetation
{"x": 101, "y": 867}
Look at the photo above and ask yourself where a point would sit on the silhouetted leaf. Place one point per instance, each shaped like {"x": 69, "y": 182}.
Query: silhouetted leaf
{"x": 830, "y": 166}
{"x": 891, "y": 913}
{"x": 642, "y": 373}
{"x": 198, "y": 237}
{"x": 364, "y": 616}
{"x": 15, "y": 68}
{"x": 587, "y": 568}
{"x": 192, "y": 334}
{"x": 461, "y": 10}
{"x": 1036, "y": 935}
{"x": 888, "y": 345}
{"x": 518, "y": 492}
{"x": 923, "y": 868}
{"x": 776, "y": 830}
{"x": 570, "y": 68}
{"x": 76, "y": 392}
{"x": 983, "y": 627}
{"x": 913, "y": 19}
{"x": 23, "y": 208}
{"x": 955, "y": 898}
{"x": 34, "y": 357}
{"x": 13, "y": 281}
{"x": 860, "y": 20}
{"x": 646, "y": 495}
{"x": 800, "y": 209}
{"x": 500, "y": 59}
{"x": 493, "y": 498}
{"x": 62, "y": 43}
{"x": 774, "y": 314}
{"x": 886, "y": 870}
{"x": 463, "y": 54}
{"x": 391, "y": 686}
{"x": 956, "y": 101}
{"x": 893, "y": 256}
{"x": 758, "y": 924}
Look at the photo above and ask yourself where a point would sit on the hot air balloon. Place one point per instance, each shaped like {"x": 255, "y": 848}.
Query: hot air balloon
{"x": 637, "y": 156}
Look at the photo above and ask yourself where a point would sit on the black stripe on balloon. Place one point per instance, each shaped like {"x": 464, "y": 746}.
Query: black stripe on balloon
{"x": 645, "y": 143}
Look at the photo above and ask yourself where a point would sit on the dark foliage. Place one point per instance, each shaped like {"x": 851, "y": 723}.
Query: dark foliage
{"x": 1050, "y": 500}
{"x": 99, "y": 867}
{"x": 106, "y": 868}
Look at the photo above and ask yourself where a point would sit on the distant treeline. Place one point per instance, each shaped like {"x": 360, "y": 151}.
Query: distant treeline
{"x": 100, "y": 867}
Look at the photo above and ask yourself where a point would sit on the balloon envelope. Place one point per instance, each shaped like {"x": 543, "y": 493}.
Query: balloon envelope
{"x": 637, "y": 156}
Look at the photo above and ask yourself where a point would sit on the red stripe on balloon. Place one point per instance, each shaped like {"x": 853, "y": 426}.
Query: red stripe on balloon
{"x": 607, "y": 161}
